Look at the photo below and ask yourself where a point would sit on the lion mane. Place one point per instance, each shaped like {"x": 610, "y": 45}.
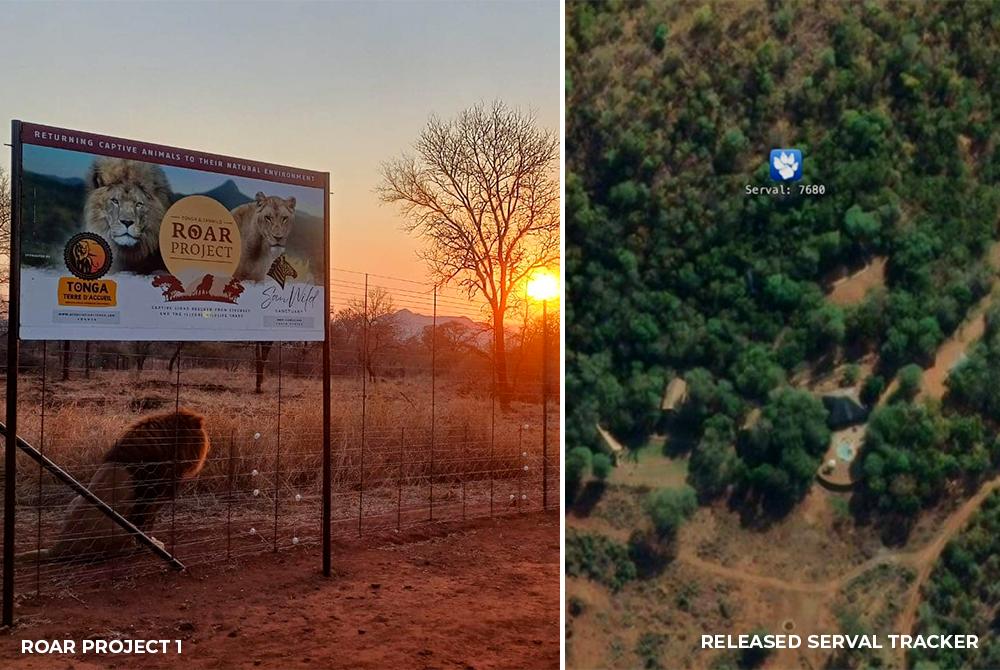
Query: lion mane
{"x": 264, "y": 226}
{"x": 136, "y": 478}
{"x": 126, "y": 201}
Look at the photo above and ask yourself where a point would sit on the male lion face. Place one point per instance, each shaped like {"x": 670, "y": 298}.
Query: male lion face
{"x": 125, "y": 213}
{"x": 126, "y": 201}
{"x": 274, "y": 217}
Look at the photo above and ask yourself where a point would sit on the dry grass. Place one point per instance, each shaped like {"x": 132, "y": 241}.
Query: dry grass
{"x": 81, "y": 418}
{"x": 415, "y": 462}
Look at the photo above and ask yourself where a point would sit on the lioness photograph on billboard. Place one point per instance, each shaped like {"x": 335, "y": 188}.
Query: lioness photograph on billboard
{"x": 128, "y": 240}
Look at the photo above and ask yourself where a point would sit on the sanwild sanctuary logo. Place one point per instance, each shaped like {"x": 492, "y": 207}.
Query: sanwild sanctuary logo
{"x": 786, "y": 164}
{"x": 281, "y": 270}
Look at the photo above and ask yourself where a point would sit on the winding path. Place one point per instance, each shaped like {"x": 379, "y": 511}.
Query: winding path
{"x": 950, "y": 351}
{"x": 921, "y": 560}
{"x": 927, "y": 557}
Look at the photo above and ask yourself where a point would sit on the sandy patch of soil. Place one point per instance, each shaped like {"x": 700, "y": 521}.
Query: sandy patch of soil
{"x": 478, "y": 595}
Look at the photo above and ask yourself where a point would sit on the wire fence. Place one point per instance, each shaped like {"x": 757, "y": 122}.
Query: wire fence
{"x": 423, "y": 430}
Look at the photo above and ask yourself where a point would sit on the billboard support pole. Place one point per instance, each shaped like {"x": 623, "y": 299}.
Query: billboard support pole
{"x": 326, "y": 381}
{"x": 13, "y": 320}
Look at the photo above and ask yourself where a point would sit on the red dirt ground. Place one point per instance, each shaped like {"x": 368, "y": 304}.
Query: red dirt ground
{"x": 484, "y": 594}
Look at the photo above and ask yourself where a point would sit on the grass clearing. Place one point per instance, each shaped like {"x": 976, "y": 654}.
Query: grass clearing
{"x": 649, "y": 467}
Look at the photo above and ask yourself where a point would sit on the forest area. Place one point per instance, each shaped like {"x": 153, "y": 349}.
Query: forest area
{"x": 706, "y": 320}
{"x": 675, "y": 272}
{"x": 961, "y": 594}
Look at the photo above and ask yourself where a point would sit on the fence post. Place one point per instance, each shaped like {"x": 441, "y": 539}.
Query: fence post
{"x": 114, "y": 529}
{"x": 433, "y": 390}
{"x": 173, "y": 486}
{"x": 466, "y": 468}
{"x": 399, "y": 478}
{"x": 41, "y": 447}
{"x": 545, "y": 405}
{"x": 520, "y": 474}
{"x": 277, "y": 458}
{"x": 493, "y": 415}
{"x": 364, "y": 406}
{"x": 229, "y": 503}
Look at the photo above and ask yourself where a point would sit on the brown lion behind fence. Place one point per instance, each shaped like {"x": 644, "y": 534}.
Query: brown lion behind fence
{"x": 135, "y": 478}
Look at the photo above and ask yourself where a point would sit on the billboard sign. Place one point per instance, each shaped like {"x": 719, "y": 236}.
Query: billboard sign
{"x": 126, "y": 240}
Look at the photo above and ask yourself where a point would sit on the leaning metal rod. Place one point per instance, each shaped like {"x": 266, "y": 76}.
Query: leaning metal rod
{"x": 89, "y": 496}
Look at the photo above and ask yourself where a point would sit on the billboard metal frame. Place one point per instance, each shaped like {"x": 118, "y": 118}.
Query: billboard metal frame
{"x": 13, "y": 441}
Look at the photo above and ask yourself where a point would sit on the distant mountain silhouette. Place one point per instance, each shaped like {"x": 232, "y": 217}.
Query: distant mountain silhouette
{"x": 227, "y": 193}
{"x": 412, "y": 324}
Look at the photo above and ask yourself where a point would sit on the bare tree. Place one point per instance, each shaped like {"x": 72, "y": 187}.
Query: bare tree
{"x": 261, "y": 351}
{"x": 483, "y": 191}
{"x": 141, "y": 351}
{"x": 456, "y": 337}
{"x": 176, "y": 356}
{"x": 372, "y": 327}
{"x": 528, "y": 349}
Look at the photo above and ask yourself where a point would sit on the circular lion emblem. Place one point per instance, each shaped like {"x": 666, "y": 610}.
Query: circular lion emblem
{"x": 87, "y": 256}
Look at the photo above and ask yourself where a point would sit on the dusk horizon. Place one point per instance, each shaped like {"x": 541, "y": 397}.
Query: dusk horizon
{"x": 344, "y": 106}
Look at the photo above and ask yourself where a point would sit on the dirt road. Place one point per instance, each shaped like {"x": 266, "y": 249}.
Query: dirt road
{"x": 480, "y": 595}
{"x": 921, "y": 560}
{"x": 952, "y": 349}
{"x": 851, "y": 290}
{"x": 927, "y": 557}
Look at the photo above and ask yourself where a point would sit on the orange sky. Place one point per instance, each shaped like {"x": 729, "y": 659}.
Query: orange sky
{"x": 337, "y": 87}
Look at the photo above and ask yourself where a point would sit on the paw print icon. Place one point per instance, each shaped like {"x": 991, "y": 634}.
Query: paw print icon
{"x": 786, "y": 164}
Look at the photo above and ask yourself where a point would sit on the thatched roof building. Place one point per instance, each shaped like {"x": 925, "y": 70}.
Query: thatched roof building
{"x": 674, "y": 395}
{"x": 844, "y": 411}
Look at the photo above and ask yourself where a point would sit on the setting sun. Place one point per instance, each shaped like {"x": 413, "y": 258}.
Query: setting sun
{"x": 543, "y": 286}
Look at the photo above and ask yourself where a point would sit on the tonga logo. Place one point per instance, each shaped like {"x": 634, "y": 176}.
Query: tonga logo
{"x": 87, "y": 256}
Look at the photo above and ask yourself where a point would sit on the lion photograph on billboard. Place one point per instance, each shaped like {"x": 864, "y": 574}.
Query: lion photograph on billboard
{"x": 146, "y": 247}
{"x": 126, "y": 201}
